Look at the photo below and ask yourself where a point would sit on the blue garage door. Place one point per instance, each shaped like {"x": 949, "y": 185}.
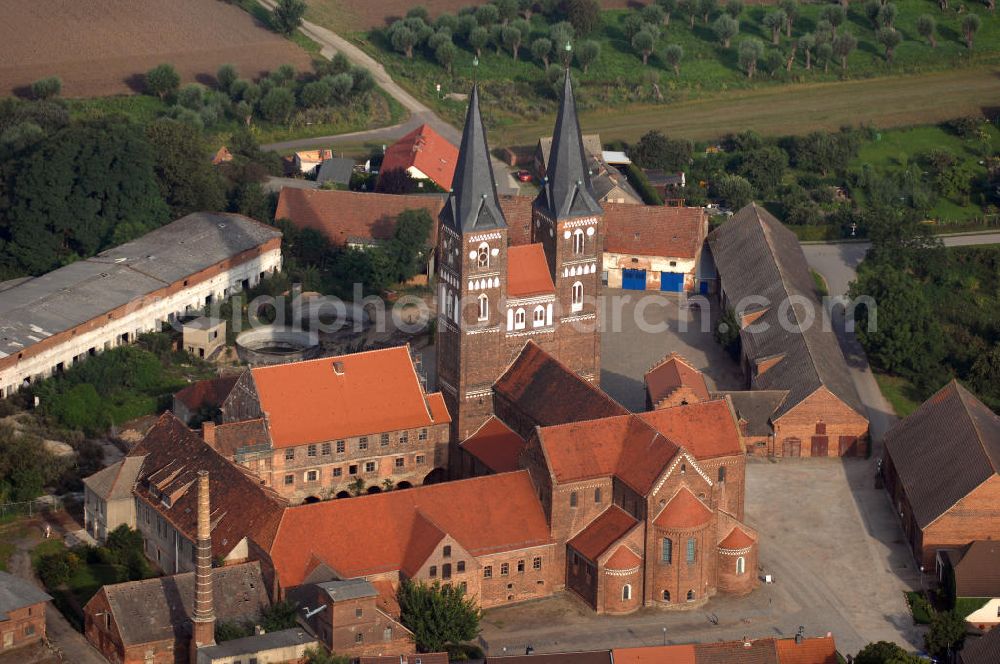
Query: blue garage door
{"x": 672, "y": 281}
{"x": 634, "y": 279}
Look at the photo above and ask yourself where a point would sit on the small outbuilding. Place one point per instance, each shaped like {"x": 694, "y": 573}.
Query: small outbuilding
{"x": 22, "y": 612}
{"x": 203, "y": 336}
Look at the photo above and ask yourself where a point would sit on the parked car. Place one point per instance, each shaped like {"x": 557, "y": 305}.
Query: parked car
{"x": 523, "y": 176}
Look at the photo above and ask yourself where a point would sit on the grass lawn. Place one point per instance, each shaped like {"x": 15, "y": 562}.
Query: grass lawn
{"x": 900, "y": 394}
{"x": 966, "y": 605}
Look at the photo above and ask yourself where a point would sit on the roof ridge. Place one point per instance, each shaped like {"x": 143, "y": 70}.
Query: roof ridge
{"x": 961, "y": 391}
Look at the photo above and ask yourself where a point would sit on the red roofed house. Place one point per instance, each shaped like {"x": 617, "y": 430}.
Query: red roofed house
{"x": 425, "y": 155}
{"x": 335, "y": 425}
{"x": 674, "y": 382}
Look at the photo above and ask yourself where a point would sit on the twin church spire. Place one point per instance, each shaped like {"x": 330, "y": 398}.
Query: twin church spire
{"x": 566, "y": 190}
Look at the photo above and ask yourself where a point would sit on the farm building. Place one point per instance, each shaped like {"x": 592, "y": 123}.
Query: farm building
{"x": 336, "y": 171}
{"x": 610, "y": 185}
{"x": 50, "y": 322}
{"x": 942, "y": 472}
{"x": 784, "y": 345}
{"x": 425, "y": 155}
{"x": 22, "y": 612}
{"x": 308, "y": 161}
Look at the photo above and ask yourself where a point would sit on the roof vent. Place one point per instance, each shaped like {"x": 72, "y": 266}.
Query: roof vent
{"x": 338, "y": 368}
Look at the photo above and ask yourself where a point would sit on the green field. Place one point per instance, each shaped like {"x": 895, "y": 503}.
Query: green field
{"x": 900, "y": 394}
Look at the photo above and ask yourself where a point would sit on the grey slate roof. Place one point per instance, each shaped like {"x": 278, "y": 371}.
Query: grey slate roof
{"x": 758, "y": 257}
{"x": 87, "y": 289}
{"x": 160, "y": 609}
{"x": 116, "y": 481}
{"x": 338, "y": 169}
{"x": 340, "y": 591}
{"x": 473, "y": 204}
{"x": 756, "y": 408}
{"x": 946, "y": 448}
{"x": 17, "y": 593}
{"x": 567, "y": 190}
{"x": 982, "y": 650}
{"x": 251, "y": 645}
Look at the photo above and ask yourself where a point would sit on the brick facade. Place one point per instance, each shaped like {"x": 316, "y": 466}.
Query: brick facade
{"x": 22, "y": 626}
{"x": 820, "y": 425}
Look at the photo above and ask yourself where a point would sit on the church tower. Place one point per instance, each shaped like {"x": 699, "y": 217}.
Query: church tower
{"x": 472, "y": 284}
{"x": 567, "y": 221}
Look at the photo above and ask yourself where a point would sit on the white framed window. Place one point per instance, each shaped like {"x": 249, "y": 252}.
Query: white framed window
{"x": 579, "y": 241}
{"x": 312, "y": 475}
{"x": 626, "y": 592}
{"x": 577, "y": 302}
{"x": 483, "y": 255}
{"x": 484, "y": 307}
{"x": 519, "y": 319}
{"x": 538, "y": 316}
{"x": 741, "y": 565}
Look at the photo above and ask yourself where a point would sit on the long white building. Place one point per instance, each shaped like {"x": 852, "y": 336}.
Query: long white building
{"x": 50, "y": 322}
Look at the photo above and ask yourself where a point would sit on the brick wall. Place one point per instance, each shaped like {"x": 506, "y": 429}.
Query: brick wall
{"x": 821, "y": 421}
{"x": 24, "y": 626}
{"x": 975, "y": 517}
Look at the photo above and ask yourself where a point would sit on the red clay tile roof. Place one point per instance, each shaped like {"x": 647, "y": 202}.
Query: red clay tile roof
{"x": 622, "y": 558}
{"x": 623, "y": 446}
{"x": 424, "y": 658}
{"x": 736, "y": 539}
{"x": 231, "y": 437}
{"x": 375, "y": 391}
{"x": 549, "y": 393}
{"x": 654, "y": 230}
{"x": 705, "y": 429}
{"x": 384, "y": 527}
{"x": 241, "y": 506}
{"x": 673, "y": 372}
{"x": 352, "y": 216}
{"x": 684, "y": 654}
{"x": 206, "y": 393}
{"x": 438, "y": 408}
{"x": 818, "y": 650}
{"x": 495, "y": 445}
{"x": 758, "y": 651}
{"x": 602, "y": 532}
{"x": 427, "y": 151}
{"x": 683, "y": 511}
{"x": 528, "y": 271}
{"x": 387, "y": 599}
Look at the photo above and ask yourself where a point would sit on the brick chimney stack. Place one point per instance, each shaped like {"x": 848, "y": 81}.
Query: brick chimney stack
{"x": 203, "y": 632}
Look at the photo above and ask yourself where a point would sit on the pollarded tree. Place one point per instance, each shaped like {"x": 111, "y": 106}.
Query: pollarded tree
{"x": 561, "y": 33}
{"x": 887, "y": 15}
{"x": 541, "y": 48}
{"x": 512, "y": 38}
{"x": 225, "y": 77}
{"x": 775, "y": 22}
{"x": 478, "y": 38}
{"x": 287, "y": 15}
{"x": 872, "y": 10}
{"x": 824, "y": 54}
{"x": 734, "y": 8}
{"x": 644, "y": 41}
{"x": 970, "y": 26}
{"x": 403, "y": 39}
{"x": 277, "y": 105}
{"x": 315, "y": 94}
{"x": 487, "y": 15}
{"x": 791, "y": 9}
{"x": 46, "y": 88}
{"x": 707, "y": 8}
{"x": 438, "y": 38}
{"x": 632, "y": 24}
{"x": 725, "y": 28}
{"x": 162, "y": 80}
{"x": 672, "y": 55}
{"x": 843, "y": 45}
{"x": 688, "y": 8}
{"x": 668, "y": 7}
{"x": 653, "y": 14}
{"x": 508, "y": 9}
{"x": 438, "y": 616}
{"x": 445, "y": 54}
{"x": 927, "y": 27}
{"x": 587, "y": 53}
{"x": 750, "y": 52}
{"x": 583, "y": 15}
{"x": 341, "y": 86}
{"x": 835, "y": 15}
{"x": 807, "y": 43}
{"x": 889, "y": 38}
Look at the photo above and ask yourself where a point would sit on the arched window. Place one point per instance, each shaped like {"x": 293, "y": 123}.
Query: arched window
{"x": 484, "y": 307}
{"x": 692, "y": 549}
{"x": 577, "y": 296}
{"x": 579, "y": 241}
{"x": 666, "y": 595}
{"x": 741, "y": 565}
{"x": 483, "y": 255}
{"x": 519, "y": 319}
{"x": 626, "y": 592}
{"x": 690, "y": 596}
{"x": 668, "y": 551}
{"x": 722, "y": 473}
{"x": 684, "y": 468}
{"x": 538, "y": 316}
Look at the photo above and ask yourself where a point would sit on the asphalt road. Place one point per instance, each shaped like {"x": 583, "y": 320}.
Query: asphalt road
{"x": 333, "y": 43}
{"x": 838, "y": 263}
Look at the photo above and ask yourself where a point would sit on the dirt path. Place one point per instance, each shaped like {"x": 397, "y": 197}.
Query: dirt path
{"x": 793, "y": 109}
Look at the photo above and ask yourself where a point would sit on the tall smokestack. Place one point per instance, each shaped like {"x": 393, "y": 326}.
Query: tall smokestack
{"x": 203, "y": 633}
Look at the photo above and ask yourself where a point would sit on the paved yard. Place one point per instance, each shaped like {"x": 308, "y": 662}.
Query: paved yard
{"x": 641, "y": 327}
{"x": 828, "y": 538}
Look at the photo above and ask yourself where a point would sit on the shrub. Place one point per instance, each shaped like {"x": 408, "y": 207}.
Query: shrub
{"x": 287, "y": 16}
{"x": 46, "y": 88}
{"x": 162, "y": 80}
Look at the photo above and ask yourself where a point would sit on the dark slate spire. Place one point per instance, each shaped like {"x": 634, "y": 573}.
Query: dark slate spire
{"x": 567, "y": 191}
{"x": 473, "y": 204}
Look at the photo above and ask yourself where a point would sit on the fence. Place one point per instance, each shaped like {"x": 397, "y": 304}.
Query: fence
{"x": 31, "y": 507}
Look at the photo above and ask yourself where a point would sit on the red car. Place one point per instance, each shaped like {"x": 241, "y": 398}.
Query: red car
{"x": 523, "y": 176}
